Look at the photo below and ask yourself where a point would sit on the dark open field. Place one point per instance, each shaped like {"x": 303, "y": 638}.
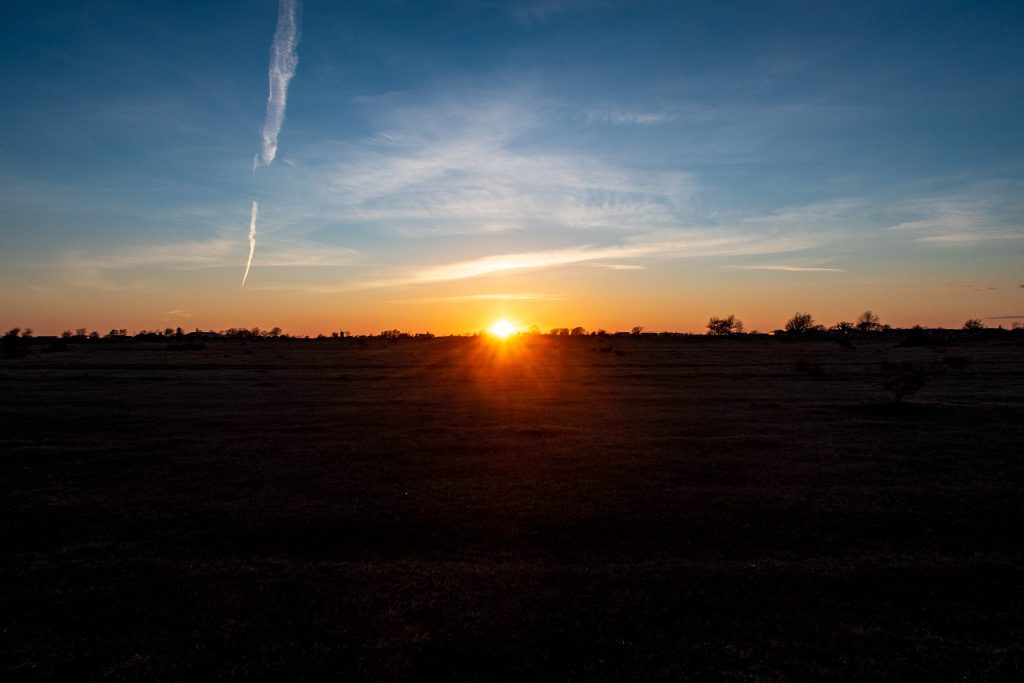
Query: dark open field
{"x": 667, "y": 508}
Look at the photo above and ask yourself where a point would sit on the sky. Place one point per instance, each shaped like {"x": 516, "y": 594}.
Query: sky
{"x": 438, "y": 165}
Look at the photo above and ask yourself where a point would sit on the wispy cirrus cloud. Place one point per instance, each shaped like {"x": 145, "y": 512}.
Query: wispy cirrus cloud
{"x": 214, "y": 252}
{"x": 482, "y": 297}
{"x": 681, "y": 244}
{"x": 629, "y": 117}
{"x": 985, "y": 212}
{"x": 468, "y": 167}
{"x": 787, "y": 269}
{"x": 207, "y": 253}
{"x": 530, "y": 12}
{"x": 283, "y": 62}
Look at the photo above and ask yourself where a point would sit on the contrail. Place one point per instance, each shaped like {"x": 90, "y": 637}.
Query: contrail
{"x": 252, "y": 241}
{"x": 283, "y": 60}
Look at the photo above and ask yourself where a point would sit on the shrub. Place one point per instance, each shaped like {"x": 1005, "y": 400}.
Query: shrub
{"x": 12, "y": 345}
{"x": 902, "y": 378}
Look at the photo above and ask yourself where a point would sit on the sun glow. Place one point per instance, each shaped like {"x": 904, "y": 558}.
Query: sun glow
{"x": 502, "y": 329}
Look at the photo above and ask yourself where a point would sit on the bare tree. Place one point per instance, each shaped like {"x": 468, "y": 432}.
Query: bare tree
{"x": 801, "y": 323}
{"x": 868, "y": 322}
{"x": 974, "y": 325}
{"x": 721, "y": 327}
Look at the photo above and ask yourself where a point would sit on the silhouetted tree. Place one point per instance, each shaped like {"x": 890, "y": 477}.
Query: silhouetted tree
{"x": 577, "y": 332}
{"x": 637, "y": 330}
{"x": 12, "y": 345}
{"x": 802, "y": 323}
{"x": 720, "y": 327}
{"x": 868, "y": 322}
{"x": 974, "y": 325}
{"x": 844, "y": 327}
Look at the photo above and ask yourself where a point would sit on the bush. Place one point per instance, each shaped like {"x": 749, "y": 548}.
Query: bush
{"x": 12, "y": 345}
{"x": 902, "y": 378}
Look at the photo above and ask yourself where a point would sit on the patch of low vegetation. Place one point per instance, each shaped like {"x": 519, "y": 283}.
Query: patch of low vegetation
{"x": 707, "y": 510}
{"x": 187, "y": 346}
{"x": 806, "y": 367}
{"x": 902, "y": 378}
{"x": 918, "y": 336}
{"x": 957, "y": 362}
{"x": 57, "y": 346}
{"x": 14, "y": 343}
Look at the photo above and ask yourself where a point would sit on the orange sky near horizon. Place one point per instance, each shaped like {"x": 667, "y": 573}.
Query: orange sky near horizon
{"x": 665, "y": 299}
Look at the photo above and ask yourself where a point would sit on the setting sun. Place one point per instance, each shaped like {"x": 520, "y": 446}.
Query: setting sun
{"x": 502, "y": 329}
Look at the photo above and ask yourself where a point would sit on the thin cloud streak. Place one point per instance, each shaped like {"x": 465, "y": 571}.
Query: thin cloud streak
{"x": 482, "y": 297}
{"x": 636, "y": 118}
{"x": 957, "y": 237}
{"x": 983, "y": 213}
{"x": 283, "y": 61}
{"x": 678, "y": 247}
{"x": 195, "y": 254}
{"x": 252, "y": 241}
{"x": 787, "y": 269}
{"x": 217, "y": 252}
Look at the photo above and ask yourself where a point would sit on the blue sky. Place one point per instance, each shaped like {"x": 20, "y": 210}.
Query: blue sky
{"x": 599, "y": 163}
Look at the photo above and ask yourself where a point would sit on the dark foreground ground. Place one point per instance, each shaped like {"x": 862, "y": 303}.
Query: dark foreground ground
{"x": 661, "y": 509}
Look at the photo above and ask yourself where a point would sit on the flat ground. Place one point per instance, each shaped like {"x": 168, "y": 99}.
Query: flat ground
{"x": 554, "y": 509}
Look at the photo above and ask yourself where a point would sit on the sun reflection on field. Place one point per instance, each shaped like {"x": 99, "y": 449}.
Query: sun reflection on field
{"x": 505, "y": 363}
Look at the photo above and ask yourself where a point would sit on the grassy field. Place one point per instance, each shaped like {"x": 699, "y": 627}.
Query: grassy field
{"x": 571, "y": 509}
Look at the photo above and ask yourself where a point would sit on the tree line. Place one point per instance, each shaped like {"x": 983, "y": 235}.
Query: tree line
{"x": 804, "y": 323}
{"x": 801, "y": 323}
